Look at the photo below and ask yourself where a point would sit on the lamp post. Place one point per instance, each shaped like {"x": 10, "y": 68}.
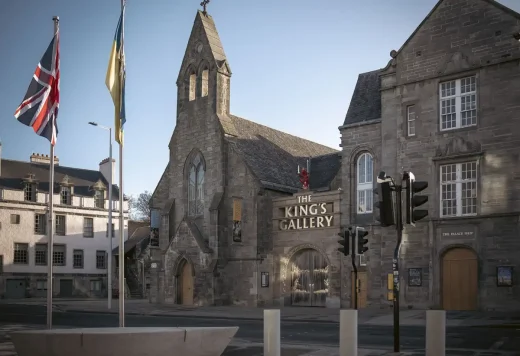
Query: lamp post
{"x": 109, "y": 227}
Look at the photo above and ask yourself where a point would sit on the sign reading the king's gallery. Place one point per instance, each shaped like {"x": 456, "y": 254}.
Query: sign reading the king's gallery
{"x": 306, "y": 216}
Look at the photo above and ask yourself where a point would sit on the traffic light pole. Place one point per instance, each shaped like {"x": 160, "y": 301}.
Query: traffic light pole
{"x": 354, "y": 268}
{"x": 395, "y": 264}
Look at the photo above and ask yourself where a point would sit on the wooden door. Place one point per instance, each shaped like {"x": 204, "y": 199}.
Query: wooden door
{"x": 459, "y": 280}
{"x": 362, "y": 290}
{"x": 186, "y": 284}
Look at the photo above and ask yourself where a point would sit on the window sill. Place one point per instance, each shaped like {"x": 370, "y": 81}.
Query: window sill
{"x": 456, "y": 129}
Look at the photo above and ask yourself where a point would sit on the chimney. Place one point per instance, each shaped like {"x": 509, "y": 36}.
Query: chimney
{"x": 104, "y": 168}
{"x": 44, "y": 159}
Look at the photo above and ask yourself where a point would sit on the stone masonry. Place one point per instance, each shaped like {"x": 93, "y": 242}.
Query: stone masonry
{"x": 245, "y": 164}
{"x": 458, "y": 39}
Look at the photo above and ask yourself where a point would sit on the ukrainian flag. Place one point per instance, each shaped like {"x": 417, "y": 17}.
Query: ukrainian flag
{"x": 116, "y": 76}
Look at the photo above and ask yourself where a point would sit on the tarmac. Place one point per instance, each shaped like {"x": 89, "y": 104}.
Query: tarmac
{"x": 368, "y": 316}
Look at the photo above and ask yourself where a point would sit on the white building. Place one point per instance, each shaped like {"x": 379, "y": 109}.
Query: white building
{"x": 81, "y": 242}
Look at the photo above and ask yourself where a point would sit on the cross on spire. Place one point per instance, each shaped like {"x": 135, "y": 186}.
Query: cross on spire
{"x": 204, "y": 3}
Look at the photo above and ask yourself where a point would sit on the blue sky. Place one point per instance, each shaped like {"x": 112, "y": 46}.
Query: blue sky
{"x": 294, "y": 63}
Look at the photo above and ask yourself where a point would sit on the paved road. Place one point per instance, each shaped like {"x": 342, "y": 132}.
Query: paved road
{"x": 308, "y": 333}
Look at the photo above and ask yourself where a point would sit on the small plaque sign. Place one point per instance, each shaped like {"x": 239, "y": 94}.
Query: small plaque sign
{"x": 414, "y": 277}
{"x": 265, "y": 279}
{"x": 504, "y": 276}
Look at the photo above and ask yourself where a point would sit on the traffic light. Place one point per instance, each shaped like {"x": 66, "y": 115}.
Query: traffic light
{"x": 385, "y": 204}
{"x": 413, "y": 200}
{"x": 361, "y": 241}
{"x": 345, "y": 235}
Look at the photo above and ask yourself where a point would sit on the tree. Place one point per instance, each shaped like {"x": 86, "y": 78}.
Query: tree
{"x": 140, "y": 206}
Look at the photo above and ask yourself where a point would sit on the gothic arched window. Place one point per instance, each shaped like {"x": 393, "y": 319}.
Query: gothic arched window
{"x": 196, "y": 187}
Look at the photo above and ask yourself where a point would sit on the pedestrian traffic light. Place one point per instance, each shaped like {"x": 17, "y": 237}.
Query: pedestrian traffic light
{"x": 413, "y": 200}
{"x": 384, "y": 205}
{"x": 345, "y": 236}
{"x": 361, "y": 241}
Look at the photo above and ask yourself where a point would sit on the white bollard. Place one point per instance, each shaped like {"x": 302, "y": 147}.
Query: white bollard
{"x": 348, "y": 332}
{"x": 272, "y": 332}
{"x": 435, "y": 333}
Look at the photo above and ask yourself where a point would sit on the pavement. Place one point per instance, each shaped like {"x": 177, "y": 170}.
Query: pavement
{"x": 367, "y": 316}
{"x": 299, "y": 338}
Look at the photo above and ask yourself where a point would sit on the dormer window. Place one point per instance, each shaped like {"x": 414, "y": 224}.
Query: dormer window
{"x": 65, "y": 196}
{"x": 29, "y": 189}
{"x": 66, "y": 191}
{"x": 99, "y": 199}
{"x": 99, "y": 194}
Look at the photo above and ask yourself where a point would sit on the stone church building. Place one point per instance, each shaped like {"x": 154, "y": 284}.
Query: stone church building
{"x": 233, "y": 225}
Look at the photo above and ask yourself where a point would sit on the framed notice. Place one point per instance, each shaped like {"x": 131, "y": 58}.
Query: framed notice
{"x": 265, "y": 279}
{"x": 414, "y": 277}
{"x": 504, "y": 276}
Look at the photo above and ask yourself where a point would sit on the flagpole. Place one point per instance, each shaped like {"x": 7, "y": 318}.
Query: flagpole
{"x": 50, "y": 221}
{"x": 121, "y": 224}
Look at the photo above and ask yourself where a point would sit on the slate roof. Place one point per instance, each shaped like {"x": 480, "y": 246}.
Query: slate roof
{"x": 366, "y": 99}
{"x": 273, "y": 155}
{"x": 13, "y": 172}
{"x": 139, "y": 235}
{"x": 323, "y": 170}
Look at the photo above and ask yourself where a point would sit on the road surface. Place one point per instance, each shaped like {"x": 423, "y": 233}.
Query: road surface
{"x": 311, "y": 334}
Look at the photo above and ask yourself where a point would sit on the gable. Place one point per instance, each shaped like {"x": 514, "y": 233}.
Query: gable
{"x": 481, "y": 31}
{"x": 204, "y": 43}
{"x": 188, "y": 235}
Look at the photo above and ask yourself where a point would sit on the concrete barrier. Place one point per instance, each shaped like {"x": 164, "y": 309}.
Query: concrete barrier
{"x": 200, "y": 341}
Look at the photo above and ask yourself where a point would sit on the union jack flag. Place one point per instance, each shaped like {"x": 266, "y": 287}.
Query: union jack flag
{"x": 39, "y": 108}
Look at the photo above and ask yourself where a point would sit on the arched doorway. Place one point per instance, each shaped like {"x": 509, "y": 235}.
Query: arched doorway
{"x": 309, "y": 279}
{"x": 186, "y": 283}
{"x": 459, "y": 279}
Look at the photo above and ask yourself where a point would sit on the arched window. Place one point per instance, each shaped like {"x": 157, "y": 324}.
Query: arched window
{"x": 204, "y": 83}
{"x": 196, "y": 187}
{"x": 365, "y": 185}
{"x": 192, "y": 86}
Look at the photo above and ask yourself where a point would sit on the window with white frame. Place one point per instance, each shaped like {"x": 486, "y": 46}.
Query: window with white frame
{"x": 60, "y": 225}
{"x": 458, "y": 103}
{"x": 364, "y": 187}
{"x": 459, "y": 189}
{"x": 410, "y": 118}
{"x": 88, "y": 227}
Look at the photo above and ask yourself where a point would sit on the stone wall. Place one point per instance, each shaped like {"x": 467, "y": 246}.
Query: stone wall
{"x": 288, "y": 243}
{"x": 80, "y": 284}
{"x": 459, "y": 39}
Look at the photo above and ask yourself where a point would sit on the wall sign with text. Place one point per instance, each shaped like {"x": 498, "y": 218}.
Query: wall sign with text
{"x": 306, "y": 216}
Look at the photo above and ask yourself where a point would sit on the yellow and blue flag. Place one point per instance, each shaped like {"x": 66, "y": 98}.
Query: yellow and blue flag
{"x": 116, "y": 75}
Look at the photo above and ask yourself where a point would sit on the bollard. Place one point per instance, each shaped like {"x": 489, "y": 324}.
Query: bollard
{"x": 348, "y": 332}
{"x": 435, "y": 333}
{"x": 272, "y": 332}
